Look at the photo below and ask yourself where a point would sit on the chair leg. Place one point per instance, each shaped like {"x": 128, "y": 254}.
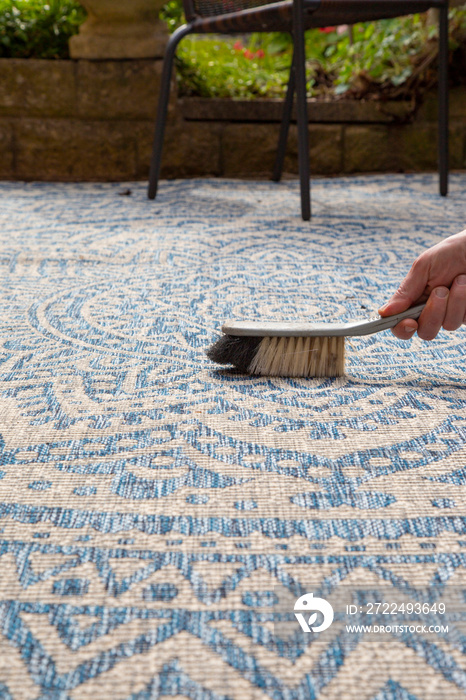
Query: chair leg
{"x": 285, "y": 125}
{"x": 156, "y": 159}
{"x": 443, "y": 101}
{"x": 301, "y": 109}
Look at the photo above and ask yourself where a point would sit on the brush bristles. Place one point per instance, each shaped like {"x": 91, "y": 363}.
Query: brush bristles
{"x": 299, "y": 357}
{"x": 280, "y": 356}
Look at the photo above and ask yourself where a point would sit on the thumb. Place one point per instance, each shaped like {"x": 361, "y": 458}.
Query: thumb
{"x": 410, "y": 291}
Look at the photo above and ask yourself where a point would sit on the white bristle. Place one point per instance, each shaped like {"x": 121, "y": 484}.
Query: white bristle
{"x": 322, "y": 358}
{"x": 288, "y": 357}
{"x": 300, "y": 357}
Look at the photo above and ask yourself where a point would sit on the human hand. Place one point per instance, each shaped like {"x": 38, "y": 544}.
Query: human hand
{"x": 438, "y": 277}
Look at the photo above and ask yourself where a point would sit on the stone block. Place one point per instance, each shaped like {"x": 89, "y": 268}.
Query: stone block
{"x": 367, "y": 149}
{"x": 357, "y": 111}
{"x": 248, "y": 150}
{"x": 7, "y": 170}
{"x": 190, "y": 149}
{"x": 116, "y": 90}
{"x": 416, "y": 146}
{"x": 319, "y": 112}
{"x": 33, "y": 88}
{"x": 325, "y": 149}
{"x": 400, "y": 148}
{"x": 221, "y": 110}
{"x": 144, "y": 133}
{"x": 458, "y": 104}
{"x": 428, "y": 112}
{"x": 73, "y": 150}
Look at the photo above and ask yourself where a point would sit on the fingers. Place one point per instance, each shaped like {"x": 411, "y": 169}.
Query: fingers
{"x": 411, "y": 289}
{"x": 405, "y": 329}
{"x": 456, "y": 309}
{"x": 432, "y": 318}
{"x": 445, "y": 307}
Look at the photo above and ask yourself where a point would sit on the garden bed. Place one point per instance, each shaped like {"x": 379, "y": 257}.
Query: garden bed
{"x": 94, "y": 120}
{"x": 66, "y": 119}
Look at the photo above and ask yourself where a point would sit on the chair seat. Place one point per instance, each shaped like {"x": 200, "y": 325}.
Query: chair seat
{"x": 277, "y": 17}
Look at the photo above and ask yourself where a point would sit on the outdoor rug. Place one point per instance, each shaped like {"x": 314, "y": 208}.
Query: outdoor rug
{"x": 166, "y": 523}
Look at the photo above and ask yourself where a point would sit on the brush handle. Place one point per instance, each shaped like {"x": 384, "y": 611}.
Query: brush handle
{"x": 289, "y": 329}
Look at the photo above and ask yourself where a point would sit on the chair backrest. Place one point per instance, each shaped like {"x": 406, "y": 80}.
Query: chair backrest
{"x": 212, "y": 8}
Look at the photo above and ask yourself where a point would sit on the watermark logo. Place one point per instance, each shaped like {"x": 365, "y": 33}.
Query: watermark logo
{"x": 308, "y": 604}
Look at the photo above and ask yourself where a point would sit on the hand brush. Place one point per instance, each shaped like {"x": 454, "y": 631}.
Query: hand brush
{"x": 288, "y": 349}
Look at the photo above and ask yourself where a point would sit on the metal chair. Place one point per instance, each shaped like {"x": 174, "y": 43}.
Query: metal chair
{"x": 295, "y": 16}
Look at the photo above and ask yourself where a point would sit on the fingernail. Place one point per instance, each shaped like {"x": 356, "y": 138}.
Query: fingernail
{"x": 410, "y": 330}
{"x": 461, "y": 279}
{"x": 441, "y": 292}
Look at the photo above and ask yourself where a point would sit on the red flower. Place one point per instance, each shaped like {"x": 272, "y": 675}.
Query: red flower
{"x": 238, "y": 46}
{"x": 260, "y": 53}
{"x": 248, "y": 54}
{"x": 327, "y": 30}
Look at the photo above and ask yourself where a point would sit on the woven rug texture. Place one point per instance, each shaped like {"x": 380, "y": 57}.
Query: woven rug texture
{"x": 159, "y": 515}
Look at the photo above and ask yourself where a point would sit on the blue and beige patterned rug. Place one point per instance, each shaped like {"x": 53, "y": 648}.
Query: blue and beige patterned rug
{"x": 159, "y": 516}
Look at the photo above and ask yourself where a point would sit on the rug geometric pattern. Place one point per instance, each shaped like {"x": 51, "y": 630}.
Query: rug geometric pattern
{"x": 154, "y": 507}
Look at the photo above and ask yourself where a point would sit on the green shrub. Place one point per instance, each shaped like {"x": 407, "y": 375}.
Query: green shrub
{"x": 393, "y": 57}
{"x": 38, "y": 29}
{"x": 226, "y": 68}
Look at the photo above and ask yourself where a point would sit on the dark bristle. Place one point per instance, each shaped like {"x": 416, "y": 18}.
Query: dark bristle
{"x": 233, "y": 350}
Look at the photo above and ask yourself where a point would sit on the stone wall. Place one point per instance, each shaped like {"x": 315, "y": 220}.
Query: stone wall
{"x": 94, "y": 120}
